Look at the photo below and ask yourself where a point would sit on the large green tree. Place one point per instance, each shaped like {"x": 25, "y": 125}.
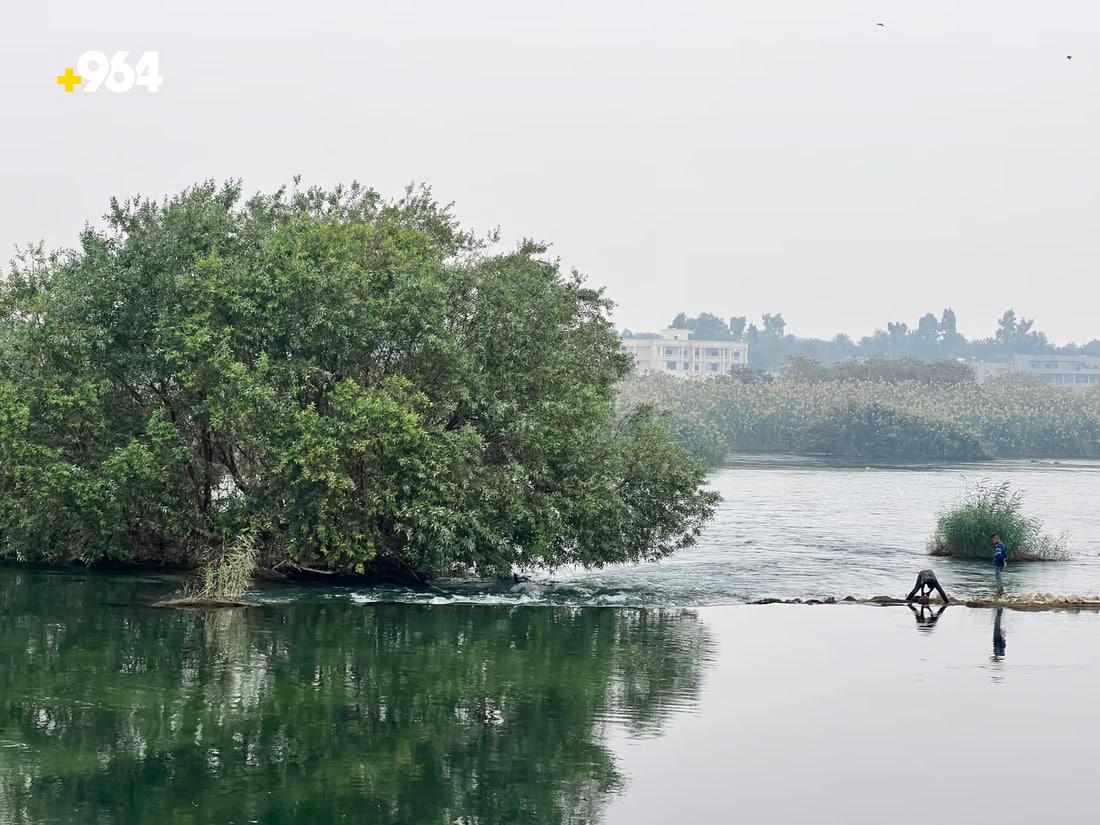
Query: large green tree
{"x": 342, "y": 378}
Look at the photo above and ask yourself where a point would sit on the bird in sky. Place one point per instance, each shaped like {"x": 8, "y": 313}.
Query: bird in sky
{"x": 1069, "y": 57}
{"x": 881, "y": 24}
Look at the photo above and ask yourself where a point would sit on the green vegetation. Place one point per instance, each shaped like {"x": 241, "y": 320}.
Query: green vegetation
{"x": 943, "y": 372}
{"x": 226, "y": 575}
{"x": 892, "y": 416}
{"x": 964, "y": 529}
{"x": 323, "y": 712}
{"x": 362, "y": 377}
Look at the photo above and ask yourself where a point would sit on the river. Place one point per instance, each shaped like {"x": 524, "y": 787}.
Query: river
{"x": 542, "y": 704}
{"x": 791, "y": 528}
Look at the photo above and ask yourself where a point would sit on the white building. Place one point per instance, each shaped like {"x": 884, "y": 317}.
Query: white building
{"x": 1071, "y": 372}
{"x": 675, "y": 352}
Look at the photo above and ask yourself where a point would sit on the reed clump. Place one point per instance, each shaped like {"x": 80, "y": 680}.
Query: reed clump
{"x": 227, "y": 575}
{"x": 963, "y": 529}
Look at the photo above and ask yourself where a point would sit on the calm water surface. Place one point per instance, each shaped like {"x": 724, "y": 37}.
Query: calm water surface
{"x": 111, "y": 712}
{"x": 317, "y": 712}
{"x": 861, "y": 715}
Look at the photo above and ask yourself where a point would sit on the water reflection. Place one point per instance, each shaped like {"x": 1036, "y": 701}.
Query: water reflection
{"x": 998, "y": 635}
{"x": 766, "y": 728}
{"x": 310, "y": 714}
{"x": 926, "y": 617}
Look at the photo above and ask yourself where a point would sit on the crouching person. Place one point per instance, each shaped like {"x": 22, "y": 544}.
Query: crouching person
{"x": 926, "y": 583}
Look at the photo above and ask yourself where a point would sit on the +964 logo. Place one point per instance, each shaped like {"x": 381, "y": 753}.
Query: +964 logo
{"x": 118, "y": 73}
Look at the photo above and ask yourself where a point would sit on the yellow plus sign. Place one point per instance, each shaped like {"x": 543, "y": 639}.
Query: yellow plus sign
{"x": 69, "y": 79}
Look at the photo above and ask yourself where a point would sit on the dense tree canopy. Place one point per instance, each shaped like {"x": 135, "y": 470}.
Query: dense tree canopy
{"x": 340, "y": 377}
{"x": 705, "y": 327}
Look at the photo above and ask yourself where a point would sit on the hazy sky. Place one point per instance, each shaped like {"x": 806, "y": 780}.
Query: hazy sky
{"x": 737, "y": 157}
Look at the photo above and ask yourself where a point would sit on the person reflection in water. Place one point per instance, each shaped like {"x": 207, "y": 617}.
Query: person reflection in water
{"x": 998, "y": 636}
{"x": 926, "y": 619}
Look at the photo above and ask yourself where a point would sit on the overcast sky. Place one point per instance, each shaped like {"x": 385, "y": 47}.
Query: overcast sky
{"x": 735, "y": 157}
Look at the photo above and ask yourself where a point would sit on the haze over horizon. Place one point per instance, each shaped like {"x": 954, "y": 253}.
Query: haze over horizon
{"x": 788, "y": 157}
{"x": 856, "y": 335}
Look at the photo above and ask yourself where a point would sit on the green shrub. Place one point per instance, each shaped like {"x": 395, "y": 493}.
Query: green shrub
{"x": 964, "y": 529}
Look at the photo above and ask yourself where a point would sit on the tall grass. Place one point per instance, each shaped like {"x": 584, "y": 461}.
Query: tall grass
{"x": 903, "y": 420}
{"x": 964, "y": 529}
{"x": 227, "y": 575}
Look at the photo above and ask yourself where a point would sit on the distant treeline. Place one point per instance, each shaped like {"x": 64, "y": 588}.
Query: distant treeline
{"x": 875, "y": 409}
{"x": 770, "y": 345}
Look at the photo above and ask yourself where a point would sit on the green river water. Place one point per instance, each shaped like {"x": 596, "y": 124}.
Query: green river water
{"x": 319, "y": 709}
{"x": 112, "y": 711}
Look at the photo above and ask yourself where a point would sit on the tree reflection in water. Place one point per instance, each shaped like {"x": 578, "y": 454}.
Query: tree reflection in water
{"x": 322, "y": 713}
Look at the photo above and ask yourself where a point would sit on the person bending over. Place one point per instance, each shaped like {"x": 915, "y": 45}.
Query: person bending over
{"x": 926, "y": 583}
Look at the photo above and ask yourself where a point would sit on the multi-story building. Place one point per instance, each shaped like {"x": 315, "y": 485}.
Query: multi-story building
{"x": 674, "y": 351}
{"x": 1071, "y": 372}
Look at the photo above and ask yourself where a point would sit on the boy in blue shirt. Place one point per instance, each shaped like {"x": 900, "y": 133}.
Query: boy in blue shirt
{"x": 1000, "y": 552}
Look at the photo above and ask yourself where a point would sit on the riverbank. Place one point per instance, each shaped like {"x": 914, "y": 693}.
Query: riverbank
{"x": 383, "y": 573}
